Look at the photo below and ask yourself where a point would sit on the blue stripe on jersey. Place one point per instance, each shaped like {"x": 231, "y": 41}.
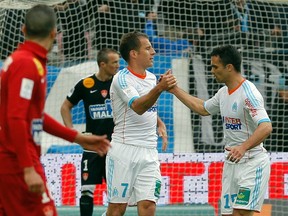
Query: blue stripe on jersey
{"x": 131, "y": 100}
{"x": 264, "y": 120}
{"x": 250, "y": 94}
{"x": 110, "y": 177}
{"x": 122, "y": 78}
{"x": 255, "y": 196}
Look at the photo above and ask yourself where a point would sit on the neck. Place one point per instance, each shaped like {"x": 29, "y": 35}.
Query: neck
{"x": 234, "y": 82}
{"x": 102, "y": 76}
{"x": 42, "y": 42}
{"x": 137, "y": 69}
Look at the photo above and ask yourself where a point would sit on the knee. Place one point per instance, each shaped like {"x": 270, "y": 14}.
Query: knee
{"x": 116, "y": 209}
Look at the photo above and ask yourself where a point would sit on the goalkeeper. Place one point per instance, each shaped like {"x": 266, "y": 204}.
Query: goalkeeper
{"x": 23, "y": 190}
{"x": 94, "y": 92}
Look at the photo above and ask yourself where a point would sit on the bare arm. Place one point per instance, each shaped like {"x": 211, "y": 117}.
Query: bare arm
{"x": 193, "y": 103}
{"x": 142, "y": 104}
{"x": 66, "y": 113}
{"x": 162, "y": 132}
{"x": 260, "y": 134}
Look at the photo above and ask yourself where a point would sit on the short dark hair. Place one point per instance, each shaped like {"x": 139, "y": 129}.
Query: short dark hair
{"x": 102, "y": 55}
{"x": 130, "y": 41}
{"x": 228, "y": 55}
{"x": 40, "y": 20}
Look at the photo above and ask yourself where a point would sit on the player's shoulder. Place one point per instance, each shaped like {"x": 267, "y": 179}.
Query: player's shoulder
{"x": 121, "y": 74}
{"x": 87, "y": 81}
{"x": 27, "y": 61}
{"x": 249, "y": 86}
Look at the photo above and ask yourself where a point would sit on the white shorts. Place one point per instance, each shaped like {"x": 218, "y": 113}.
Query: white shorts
{"x": 133, "y": 174}
{"x": 244, "y": 185}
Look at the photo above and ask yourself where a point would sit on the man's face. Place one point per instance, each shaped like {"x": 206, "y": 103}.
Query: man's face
{"x": 219, "y": 71}
{"x": 112, "y": 66}
{"x": 145, "y": 54}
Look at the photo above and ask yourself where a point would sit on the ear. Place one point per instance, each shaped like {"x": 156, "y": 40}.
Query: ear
{"x": 230, "y": 67}
{"x": 102, "y": 64}
{"x": 24, "y": 31}
{"x": 53, "y": 33}
{"x": 133, "y": 53}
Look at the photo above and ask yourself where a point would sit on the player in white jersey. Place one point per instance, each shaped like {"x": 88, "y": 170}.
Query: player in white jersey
{"x": 132, "y": 166}
{"x": 246, "y": 124}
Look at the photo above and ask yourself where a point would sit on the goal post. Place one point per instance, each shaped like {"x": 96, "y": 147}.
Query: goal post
{"x": 183, "y": 34}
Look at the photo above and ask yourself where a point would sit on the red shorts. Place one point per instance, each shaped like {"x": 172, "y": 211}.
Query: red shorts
{"x": 15, "y": 199}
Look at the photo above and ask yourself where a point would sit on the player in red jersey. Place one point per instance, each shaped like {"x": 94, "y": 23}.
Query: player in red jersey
{"x": 22, "y": 121}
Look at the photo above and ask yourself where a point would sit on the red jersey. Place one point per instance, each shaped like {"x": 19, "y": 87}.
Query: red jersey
{"x": 22, "y": 119}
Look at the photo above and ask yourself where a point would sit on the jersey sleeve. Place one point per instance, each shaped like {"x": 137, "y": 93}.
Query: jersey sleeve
{"x": 212, "y": 105}
{"x": 254, "y": 104}
{"x": 75, "y": 94}
{"x": 53, "y": 127}
{"x": 24, "y": 80}
{"x": 124, "y": 86}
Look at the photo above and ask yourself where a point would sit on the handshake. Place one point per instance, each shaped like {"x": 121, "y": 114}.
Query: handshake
{"x": 167, "y": 81}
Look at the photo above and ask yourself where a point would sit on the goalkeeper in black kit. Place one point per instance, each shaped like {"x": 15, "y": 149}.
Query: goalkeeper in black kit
{"x": 94, "y": 92}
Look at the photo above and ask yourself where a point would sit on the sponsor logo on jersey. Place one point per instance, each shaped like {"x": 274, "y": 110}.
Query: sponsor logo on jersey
{"x": 104, "y": 93}
{"x": 157, "y": 188}
{"x": 93, "y": 91}
{"x": 232, "y": 123}
{"x": 101, "y": 111}
{"x": 39, "y": 66}
{"x": 36, "y": 130}
{"x": 88, "y": 82}
{"x": 243, "y": 196}
{"x": 252, "y": 109}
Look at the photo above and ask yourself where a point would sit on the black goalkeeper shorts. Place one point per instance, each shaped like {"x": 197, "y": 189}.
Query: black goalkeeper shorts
{"x": 92, "y": 168}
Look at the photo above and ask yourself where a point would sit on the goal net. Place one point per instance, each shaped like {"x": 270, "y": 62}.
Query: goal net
{"x": 183, "y": 34}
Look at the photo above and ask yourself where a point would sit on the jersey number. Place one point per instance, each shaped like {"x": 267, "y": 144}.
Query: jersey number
{"x": 227, "y": 200}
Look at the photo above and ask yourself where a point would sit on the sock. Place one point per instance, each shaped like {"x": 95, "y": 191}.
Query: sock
{"x": 86, "y": 206}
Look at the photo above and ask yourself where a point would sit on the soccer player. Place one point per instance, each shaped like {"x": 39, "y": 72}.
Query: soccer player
{"x": 22, "y": 121}
{"x": 132, "y": 166}
{"x": 94, "y": 91}
{"x": 246, "y": 124}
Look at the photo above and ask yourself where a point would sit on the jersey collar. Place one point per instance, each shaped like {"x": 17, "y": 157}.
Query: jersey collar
{"x": 34, "y": 48}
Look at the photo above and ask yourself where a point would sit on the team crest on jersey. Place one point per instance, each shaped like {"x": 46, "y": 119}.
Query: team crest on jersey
{"x": 104, "y": 93}
{"x": 88, "y": 82}
{"x": 39, "y": 66}
{"x": 85, "y": 176}
{"x": 234, "y": 107}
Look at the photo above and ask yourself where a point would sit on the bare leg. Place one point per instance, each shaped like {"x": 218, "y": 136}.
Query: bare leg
{"x": 146, "y": 208}
{"x": 116, "y": 209}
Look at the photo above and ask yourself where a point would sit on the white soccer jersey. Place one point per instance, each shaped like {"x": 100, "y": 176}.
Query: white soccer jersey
{"x": 131, "y": 128}
{"x": 242, "y": 110}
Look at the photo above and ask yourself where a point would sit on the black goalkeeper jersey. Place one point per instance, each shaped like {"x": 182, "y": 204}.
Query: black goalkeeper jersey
{"x": 97, "y": 103}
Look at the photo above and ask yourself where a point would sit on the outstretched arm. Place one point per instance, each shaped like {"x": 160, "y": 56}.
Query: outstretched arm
{"x": 95, "y": 143}
{"x": 193, "y": 103}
